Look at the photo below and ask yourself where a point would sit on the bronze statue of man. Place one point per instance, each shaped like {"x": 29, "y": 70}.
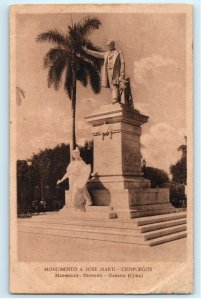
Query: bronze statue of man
{"x": 113, "y": 69}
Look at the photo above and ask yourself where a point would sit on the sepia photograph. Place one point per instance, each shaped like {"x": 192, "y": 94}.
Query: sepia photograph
{"x": 101, "y": 194}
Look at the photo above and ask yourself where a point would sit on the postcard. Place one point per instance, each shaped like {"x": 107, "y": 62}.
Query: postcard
{"x": 101, "y": 149}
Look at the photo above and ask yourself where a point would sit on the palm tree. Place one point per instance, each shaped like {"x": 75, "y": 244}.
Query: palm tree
{"x": 68, "y": 57}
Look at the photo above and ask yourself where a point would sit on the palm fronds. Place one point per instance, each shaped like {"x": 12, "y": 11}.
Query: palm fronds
{"x": 68, "y": 58}
{"x": 55, "y": 72}
{"x": 52, "y": 55}
{"x": 53, "y": 36}
{"x": 87, "y": 25}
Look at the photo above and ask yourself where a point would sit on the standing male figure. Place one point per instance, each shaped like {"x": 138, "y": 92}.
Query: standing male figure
{"x": 113, "y": 69}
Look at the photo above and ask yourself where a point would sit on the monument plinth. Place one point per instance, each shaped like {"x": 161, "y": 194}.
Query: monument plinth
{"x": 117, "y": 156}
{"x": 118, "y": 178}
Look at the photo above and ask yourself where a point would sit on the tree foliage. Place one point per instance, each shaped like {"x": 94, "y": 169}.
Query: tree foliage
{"x": 68, "y": 58}
{"x": 179, "y": 179}
{"x": 158, "y": 177}
{"x": 177, "y": 195}
{"x": 179, "y": 169}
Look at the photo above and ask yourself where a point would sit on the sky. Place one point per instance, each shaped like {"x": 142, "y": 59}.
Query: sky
{"x": 154, "y": 48}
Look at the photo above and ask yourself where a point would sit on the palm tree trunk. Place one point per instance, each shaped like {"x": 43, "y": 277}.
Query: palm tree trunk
{"x": 73, "y": 111}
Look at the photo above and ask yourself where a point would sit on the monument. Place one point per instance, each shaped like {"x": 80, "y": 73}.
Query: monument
{"x": 118, "y": 181}
{"x": 121, "y": 206}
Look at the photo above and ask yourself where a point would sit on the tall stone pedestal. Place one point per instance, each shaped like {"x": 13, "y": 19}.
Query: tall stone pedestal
{"x": 118, "y": 179}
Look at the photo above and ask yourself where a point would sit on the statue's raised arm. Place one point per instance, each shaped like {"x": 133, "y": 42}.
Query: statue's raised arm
{"x": 96, "y": 54}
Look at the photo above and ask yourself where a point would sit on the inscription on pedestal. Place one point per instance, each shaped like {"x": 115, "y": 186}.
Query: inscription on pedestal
{"x": 107, "y": 158}
{"x": 131, "y": 155}
{"x": 131, "y": 161}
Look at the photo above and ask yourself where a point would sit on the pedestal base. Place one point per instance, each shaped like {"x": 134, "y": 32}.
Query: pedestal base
{"x": 118, "y": 182}
{"x": 131, "y": 202}
{"x": 102, "y": 188}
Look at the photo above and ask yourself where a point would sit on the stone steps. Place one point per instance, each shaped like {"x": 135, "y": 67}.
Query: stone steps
{"x": 162, "y": 225}
{"x": 162, "y": 232}
{"x": 143, "y": 231}
{"x": 137, "y": 213}
{"x": 167, "y": 238}
{"x": 108, "y": 230}
{"x": 87, "y": 228}
{"x": 84, "y": 217}
{"x": 83, "y": 234}
{"x": 151, "y": 207}
{"x": 161, "y": 218}
{"x": 142, "y": 225}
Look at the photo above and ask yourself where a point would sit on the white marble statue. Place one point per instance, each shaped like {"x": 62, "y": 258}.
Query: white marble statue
{"x": 78, "y": 173}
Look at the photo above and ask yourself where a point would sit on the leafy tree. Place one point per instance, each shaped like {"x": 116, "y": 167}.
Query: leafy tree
{"x": 49, "y": 165}
{"x": 177, "y": 195}
{"x": 25, "y": 174}
{"x": 158, "y": 177}
{"x": 179, "y": 169}
{"x": 68, "y": 57}
{"x": 22, "y": 184}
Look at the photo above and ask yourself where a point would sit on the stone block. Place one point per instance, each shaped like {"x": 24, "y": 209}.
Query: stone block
{"x": 118, "y": 182}
{"x": 100, "y": 197}
{"x": 148, "y": 196}
{"x": 133, "y": 202}
{"x": 121, "y": 198}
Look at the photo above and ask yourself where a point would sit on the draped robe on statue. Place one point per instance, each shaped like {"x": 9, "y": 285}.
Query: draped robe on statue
{"x": 78, "y": 173}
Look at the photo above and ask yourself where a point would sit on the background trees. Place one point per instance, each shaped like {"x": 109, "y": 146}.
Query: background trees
{"x": 179, "y": 169}
{"x": 47, "y": 167}
{"x": 179, "y": 178}
{"x": 157, "y": 176}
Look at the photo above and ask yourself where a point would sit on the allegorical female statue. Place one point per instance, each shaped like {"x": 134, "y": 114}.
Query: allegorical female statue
{"x": 78, "y": 173}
